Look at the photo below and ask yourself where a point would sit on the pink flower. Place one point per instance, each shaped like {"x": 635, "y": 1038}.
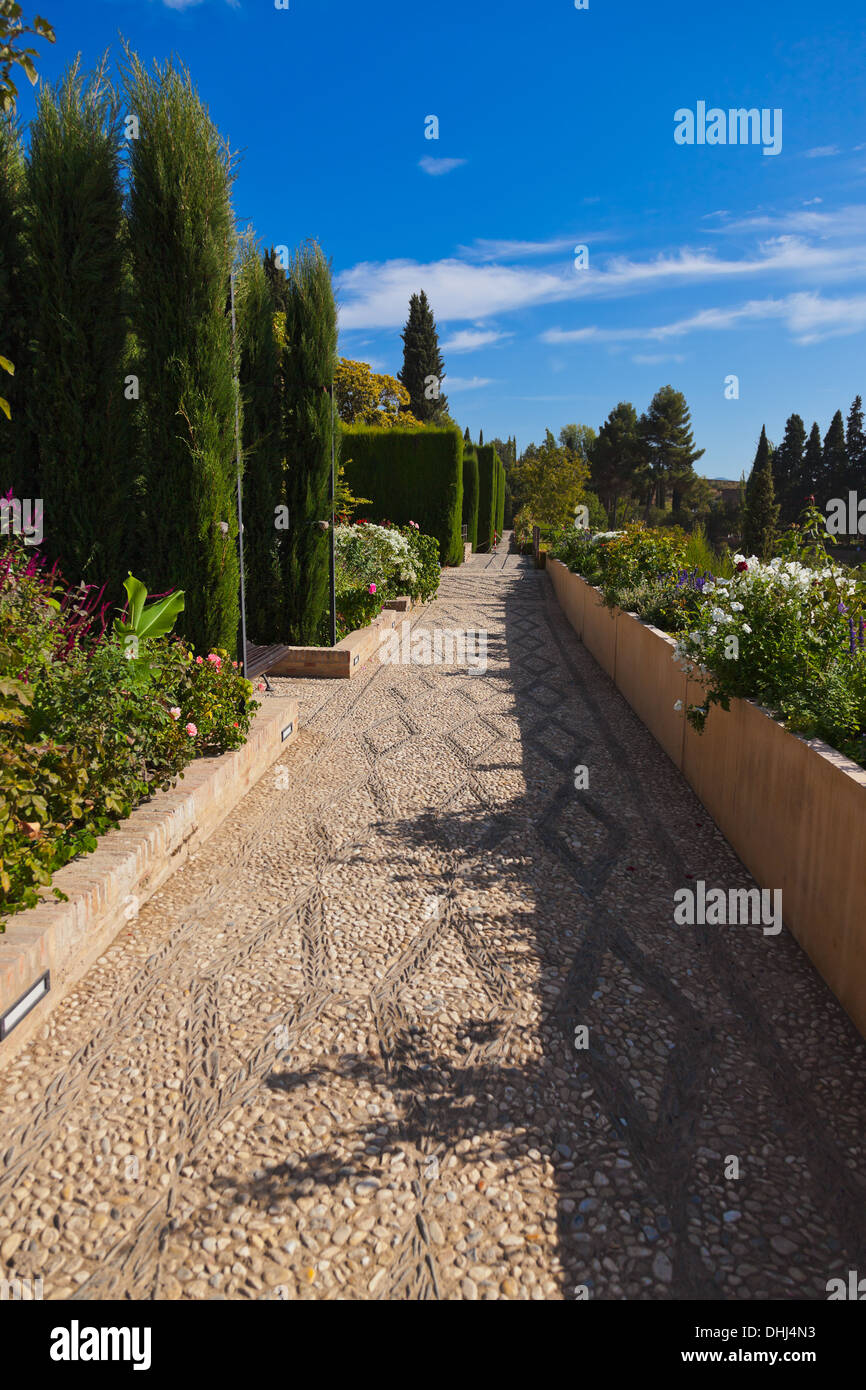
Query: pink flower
{"x": 191, "y": 730}
{"x": 199, "y": 660}
{"x": 215, "y": 660}
{"x": 235, "y": 664}
{"x": 260, "y": 685}
{"x": 174, "y": 712}
{"x": 372, "y": 588}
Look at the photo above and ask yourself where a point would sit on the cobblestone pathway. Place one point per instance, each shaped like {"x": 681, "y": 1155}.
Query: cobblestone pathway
{"x": 335, "y": 1056}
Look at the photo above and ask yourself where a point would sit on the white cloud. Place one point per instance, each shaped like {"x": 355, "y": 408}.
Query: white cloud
{"x": 808, "y": 317}
{"x": 485, "y": 249}
{"x": 375, "y": 295}
{"x": 821, "y": 151}
{"x": 458, "y": 383}
{"x": 439, "y": 166}
{"x": 470, "y": 339}
{"x": 846, "y": 222}
{"x": 652, "y": 359}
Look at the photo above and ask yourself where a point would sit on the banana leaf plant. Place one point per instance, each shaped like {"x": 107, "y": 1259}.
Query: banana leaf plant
{"x": 142, "y": 621}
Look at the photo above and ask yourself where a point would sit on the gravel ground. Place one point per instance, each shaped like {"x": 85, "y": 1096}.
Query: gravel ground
{"x": 336, "y": 1055}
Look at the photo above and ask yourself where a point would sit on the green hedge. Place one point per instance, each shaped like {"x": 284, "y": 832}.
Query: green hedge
{"x": 500, "y": 499}
{"x": 487, "y": 461}
{"x": 470, "y": 493}
{"x": 410, "y": 475}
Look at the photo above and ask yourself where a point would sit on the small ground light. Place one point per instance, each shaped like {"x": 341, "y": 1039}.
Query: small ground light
{"x": 286, "y": 733}
{"x": 22, "y": 1006}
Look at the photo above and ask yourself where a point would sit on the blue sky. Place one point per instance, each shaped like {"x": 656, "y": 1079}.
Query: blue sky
{"x": 556, "y": 128}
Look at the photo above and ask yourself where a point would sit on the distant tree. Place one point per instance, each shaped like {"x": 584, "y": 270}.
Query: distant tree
{"x": 855, "y": 447}
{"x": 618, "y": 458}
{"x": 480, "y": 438}
{"x": 423, "y": 369}
{"x": 363, "y": 396}
{"x": 667, "y": 433}
{"x": 835, "y": 470}
{"x": 578, "y": 438}
{"x": 466, "y": 436}
{"x": 813, "y": 462}
{"x": 788, "y": 471}
{"x": 549, "y": 481}
{"x": 761, "y": 511}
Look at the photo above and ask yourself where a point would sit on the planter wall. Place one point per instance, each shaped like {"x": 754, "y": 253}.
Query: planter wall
{"x": 793, "y": 810}
{"x": 348, "y": 657}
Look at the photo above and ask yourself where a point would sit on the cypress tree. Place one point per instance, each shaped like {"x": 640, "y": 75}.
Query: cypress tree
{"x": 262, "y": 445}
{"x": 813, "y": 462}
{"x": 761, "y": 510}
{"x": 277, "y": 279}
{"x": 855, "y": 447}
{"x": 788, "y": 479}
{"x": 308, "y": 371}
{"x": 480, "y": 438}
{"x": 183, "y": 243}
{"x": 77, "y": 418}
{"x": 421, "y": 361}
{"x": 466, "y": 437}
{"x": 835, "y": 471}
{"x": 13, "y": 320}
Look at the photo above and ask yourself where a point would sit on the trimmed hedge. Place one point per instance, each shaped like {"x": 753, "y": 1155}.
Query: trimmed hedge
{"x": 500, "y": 501}
{"x": 487, "y": 461}
{"x": 410, "y": 475}
{"x": 470, "y": 493}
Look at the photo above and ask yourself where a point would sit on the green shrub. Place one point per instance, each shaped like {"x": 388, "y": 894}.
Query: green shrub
{"x": 411, "y": 475}
{"x": 88, "y": 729}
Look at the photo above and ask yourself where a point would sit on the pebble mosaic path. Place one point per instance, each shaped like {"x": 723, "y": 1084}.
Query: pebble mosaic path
{"x": 334, "y": 1057}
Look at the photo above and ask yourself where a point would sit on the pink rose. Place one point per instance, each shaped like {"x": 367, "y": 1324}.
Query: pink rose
{"x": 372, "y": 588}
{"x": 199, "y": 660}
{"x": 191, "y": 730}
{"x": 174, "y": 712}
{"x": 216, "y": 660}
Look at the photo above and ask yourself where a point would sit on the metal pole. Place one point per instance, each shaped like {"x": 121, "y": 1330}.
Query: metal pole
{"x": 333, "y": 538}
{"x": 243, "y": 596}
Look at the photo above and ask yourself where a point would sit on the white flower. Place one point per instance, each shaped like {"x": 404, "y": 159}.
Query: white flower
{"x": 678, "y": 705}
{"x": 746, "y": 627}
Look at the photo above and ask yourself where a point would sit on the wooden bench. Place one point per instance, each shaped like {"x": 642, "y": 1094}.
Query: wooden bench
{"x": 261, "y": 659}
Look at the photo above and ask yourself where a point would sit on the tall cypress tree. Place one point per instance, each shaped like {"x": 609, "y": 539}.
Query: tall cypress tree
{"x": 309, "y": 360}
{"x": 761, "y": 510}
{"x": 277, "y": 279}
{"x": 480, "y": 438}
{"x": 835, "y": 471}
{"x": 788, "y": 479}
{"x": 262, "y": 443}
{"x": 422, "y": 361}
{"x": 813, "y": 462}
{"x": 183, "y": 242}
{"x": 15, "y": 471}
{"x": 466, "y": 436}
{"x": 855, "y": 447}
{"x": 77, "y": 417}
